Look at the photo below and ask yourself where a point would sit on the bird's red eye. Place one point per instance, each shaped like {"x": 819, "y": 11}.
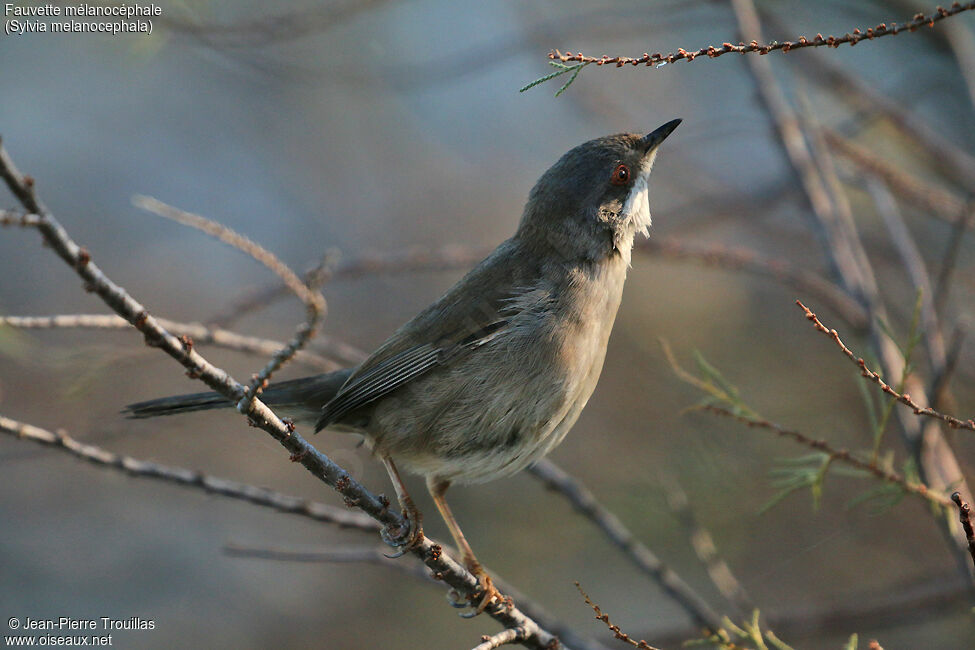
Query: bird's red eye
{"x": 621, "y": 175}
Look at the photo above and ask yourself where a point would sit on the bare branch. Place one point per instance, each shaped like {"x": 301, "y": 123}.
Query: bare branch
{"x": 411, "y": 260}
{"x": 875, "y": 377}
{"x": 313, "y": 299}
{"x": 190, "y": 478}
{"x": 585, "y": 502}
{"x": 965, "y": 516}
{"x": 504, "y": 637}
{"x": 236, "y": 240}
{"x": 615, "y": 629}
{"x": 883, "y": 29}
{"x": 200, "y": 334}
{"x": 316, "y": 511}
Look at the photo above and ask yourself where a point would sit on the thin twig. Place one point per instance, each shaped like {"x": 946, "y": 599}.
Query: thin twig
{"x": 236, "y": 240}
{"x": 504, "y": 637}
{"x": 586, "y": 503}
{"x": 262, "y": 297}
{"x": 965, "y": 516}
{"x": 841, "y": 455}
{"x": 191, "y": 478}
{"x": 199, "y": 334}
{"x": 905, "y": 399}
{"x": 376, "y": 556}
{"x": 883, "y": 29}
{"x": 411, "y": 260}
{"x": 452, "y": 573}
{"x": 15, "y": 218}
{"x": 313, "y": 299}
{"x": 615, "y": 629}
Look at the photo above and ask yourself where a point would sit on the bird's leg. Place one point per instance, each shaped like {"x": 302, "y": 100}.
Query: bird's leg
{"x": 404, "y": 540}
{"x": 488, "y": 592}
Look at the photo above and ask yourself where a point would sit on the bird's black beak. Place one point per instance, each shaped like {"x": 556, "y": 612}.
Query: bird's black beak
{"x": 653, "y": 139}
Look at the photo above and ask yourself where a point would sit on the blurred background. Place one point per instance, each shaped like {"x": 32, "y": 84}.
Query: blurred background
{"x": 374, "y": 128}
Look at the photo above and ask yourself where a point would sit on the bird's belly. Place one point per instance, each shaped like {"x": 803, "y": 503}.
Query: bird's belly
{"x": 495, "y": 451}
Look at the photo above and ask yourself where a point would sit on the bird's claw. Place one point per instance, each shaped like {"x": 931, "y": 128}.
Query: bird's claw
{"x": 404, "y": 538}
{"x": 487, "y": 593}
{"x": 455, "y": 600}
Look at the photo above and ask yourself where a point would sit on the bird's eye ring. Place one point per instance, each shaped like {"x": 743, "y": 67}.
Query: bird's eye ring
{"x": 621, "y": 175}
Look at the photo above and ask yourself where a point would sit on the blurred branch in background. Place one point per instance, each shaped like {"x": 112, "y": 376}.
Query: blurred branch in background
{"x": 705, "y": 548}
{"x": 642, "y": 557}
{"x": 836, "y": 229}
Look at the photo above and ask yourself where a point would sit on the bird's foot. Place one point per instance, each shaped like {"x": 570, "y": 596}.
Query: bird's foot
{"x": 404, "y": 538}
{"x": 487, "y": 595}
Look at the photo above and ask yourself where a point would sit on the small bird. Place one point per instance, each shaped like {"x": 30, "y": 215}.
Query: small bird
{"x": 491, "y": 377}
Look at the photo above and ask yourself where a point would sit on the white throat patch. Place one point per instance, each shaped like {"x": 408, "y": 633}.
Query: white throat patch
{"x": 637, "y": 206}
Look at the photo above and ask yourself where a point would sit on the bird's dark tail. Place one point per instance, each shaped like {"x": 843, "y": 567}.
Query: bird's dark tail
{"x": 176, "y": 404}
{"x": 306, "y": 394}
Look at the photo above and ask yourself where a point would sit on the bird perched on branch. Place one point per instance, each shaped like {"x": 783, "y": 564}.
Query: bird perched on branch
{"x": 490, "y": 377}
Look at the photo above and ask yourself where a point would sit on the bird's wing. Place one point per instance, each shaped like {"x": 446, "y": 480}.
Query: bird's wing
{"x": 472, "y": 313}
{"x": 399, "y": 369}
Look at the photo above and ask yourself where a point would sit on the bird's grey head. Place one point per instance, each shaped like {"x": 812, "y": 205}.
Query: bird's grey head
{"x": 591, "y": 203}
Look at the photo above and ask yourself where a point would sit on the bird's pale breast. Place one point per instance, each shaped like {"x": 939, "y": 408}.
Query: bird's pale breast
{"x": 512, "y": 400}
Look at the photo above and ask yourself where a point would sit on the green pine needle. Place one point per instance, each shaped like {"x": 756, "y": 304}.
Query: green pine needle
{"x": 561, "y": 70}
